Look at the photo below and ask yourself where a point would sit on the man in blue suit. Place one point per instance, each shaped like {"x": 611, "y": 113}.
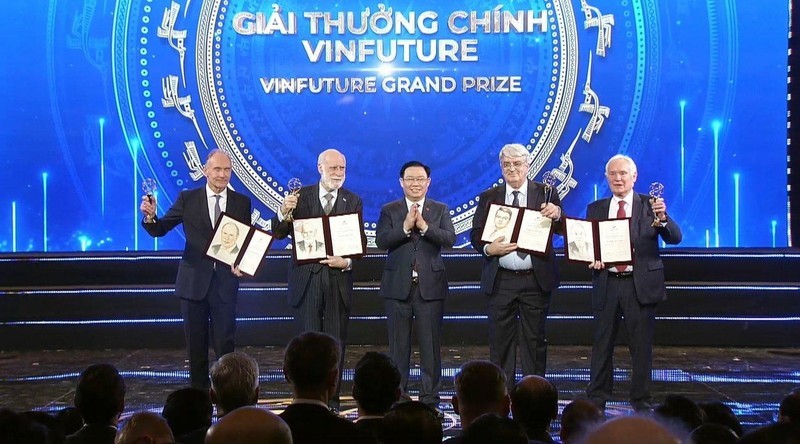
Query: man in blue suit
{"x": 414, "y": 230}
{"x": 518, "y": 285}
{"x": 628, "y": 291}
{"x": 207, "y": 289}
{"x": 321, "y": 293}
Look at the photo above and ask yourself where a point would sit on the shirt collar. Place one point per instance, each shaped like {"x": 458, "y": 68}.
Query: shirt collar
{"x": 421, "y": 203}
{"x": 210, "y": 192}
{"x": 628, "y": 199}
{"x": 309, "y": 401}
{"x": 323, "y": 192}
{"x": 523, "y": 190}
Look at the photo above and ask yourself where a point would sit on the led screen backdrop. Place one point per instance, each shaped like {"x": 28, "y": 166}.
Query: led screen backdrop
{"x": 99, "y": 95}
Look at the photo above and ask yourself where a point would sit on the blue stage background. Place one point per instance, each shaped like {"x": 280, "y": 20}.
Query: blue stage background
{"x": 96, "y": 97}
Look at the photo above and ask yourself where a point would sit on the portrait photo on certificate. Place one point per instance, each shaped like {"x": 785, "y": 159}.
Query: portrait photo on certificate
{"x": 579, "y": 240}
{"x": 236, "y": 243}
{"x": 608, "y": 241}
{"x": 316, "y": 238}
{"x": 501, "y": 220}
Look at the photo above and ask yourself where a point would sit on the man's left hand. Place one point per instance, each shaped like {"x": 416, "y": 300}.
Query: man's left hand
{"x": 335, "y": 262}
{"x": 235, "y": 271}
{"x": 551, "y": 211}
{"x": 420, "y": 223}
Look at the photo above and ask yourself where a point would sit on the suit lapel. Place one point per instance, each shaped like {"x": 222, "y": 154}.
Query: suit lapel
{"x": 636, "y": 215}
{"x": 202, "y": 200}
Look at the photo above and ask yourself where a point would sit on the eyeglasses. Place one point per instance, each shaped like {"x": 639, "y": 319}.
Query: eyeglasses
{"x": 415, "y": 179}
{"x": 515, "y": 165}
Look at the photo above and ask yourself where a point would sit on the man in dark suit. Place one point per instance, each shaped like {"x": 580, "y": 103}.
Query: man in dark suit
{"x": 207, "y": 289}
{"x": 311, "y": 365}
{"x": 414, "y": 230}
{"x": 519, "y": 285}
{"x": 625, "y": 291}
{"x": 100, "y": 397}
{"x": 321, "y": 293}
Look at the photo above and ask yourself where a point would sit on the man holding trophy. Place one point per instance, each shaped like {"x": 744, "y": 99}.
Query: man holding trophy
{"x": 628, "y": 291}
{"x": 207, "y": 289}
{"x": 321, "y": 293}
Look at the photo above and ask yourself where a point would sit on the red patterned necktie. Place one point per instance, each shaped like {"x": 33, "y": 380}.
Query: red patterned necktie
{"x": 621, "y": 210}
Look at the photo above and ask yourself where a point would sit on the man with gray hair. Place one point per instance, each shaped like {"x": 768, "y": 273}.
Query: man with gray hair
{"x": 628, "y": 293}
{"x": 234, "y": 382}
{"x": 517, "y": 284}
{"x": 480, "y": 389}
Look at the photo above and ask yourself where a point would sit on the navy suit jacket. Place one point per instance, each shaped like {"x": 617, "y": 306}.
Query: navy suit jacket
{"x": 195, "y": 268}
{"x": 648, "y": 269}
{"x": 308, "y": 205}
{"x": 312, "y": 424}
{"x": 544, "y": 267}
{"x": 425, "y": 251}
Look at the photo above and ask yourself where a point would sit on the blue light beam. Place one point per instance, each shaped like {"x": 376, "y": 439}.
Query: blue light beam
{"x": 736, "y": 209}
{"x": 716, "y": 125}
{"x": 44, "y": 211}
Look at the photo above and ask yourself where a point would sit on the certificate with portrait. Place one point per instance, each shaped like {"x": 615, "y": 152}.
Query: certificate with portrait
{"x": 239, "y": 244}
{"x": 531, "y": 231}
{"x": 316, "y": 238}
{"x": 608, "y": 241}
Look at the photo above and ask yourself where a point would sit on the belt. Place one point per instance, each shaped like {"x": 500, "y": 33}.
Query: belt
{"x": 621, "y": 274}
{"x": 520, "y": 272}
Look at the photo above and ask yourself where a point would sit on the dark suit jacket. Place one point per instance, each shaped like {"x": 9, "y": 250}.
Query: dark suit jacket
{"x": 543, "y": 266}
{"x": 404, "y": 250}
{"x": 308, "y": 205}
{"x": 93, "y": 434}
{"x": 195, "y": 269}
{"x": 648, "y": 270}
{"x": 312, "y": 424}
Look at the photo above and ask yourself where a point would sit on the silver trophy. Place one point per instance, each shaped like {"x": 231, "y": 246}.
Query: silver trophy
{"x": 294, "y": 186}
{"x": 656, "y": 191}
{"x": 149, "y": 187}
{"x": 549, "y": 182}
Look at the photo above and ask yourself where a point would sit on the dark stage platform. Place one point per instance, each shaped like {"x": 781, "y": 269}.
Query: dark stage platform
{"x": 730, "y": 330}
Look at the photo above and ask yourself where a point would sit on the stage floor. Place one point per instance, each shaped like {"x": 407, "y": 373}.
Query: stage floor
{"x": 750, "y": 380}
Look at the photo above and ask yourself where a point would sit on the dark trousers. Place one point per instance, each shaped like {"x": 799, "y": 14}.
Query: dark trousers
{"x": 400, "y": 315}
{"x": 209, "y": 317}
{"x": 322, "y": 309}
{"x": 639, "y": 320}
{"x": 517, "y": 313}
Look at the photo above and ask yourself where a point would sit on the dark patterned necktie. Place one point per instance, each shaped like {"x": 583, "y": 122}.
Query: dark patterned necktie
{"x": 515, "y": 203}
{"x": 328, "y": 203}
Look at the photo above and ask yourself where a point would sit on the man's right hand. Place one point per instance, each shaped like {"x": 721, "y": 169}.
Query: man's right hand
{"x": 411, "y": 219}
{"x": 289, "y": 204}
{"x": 500, "y": 248}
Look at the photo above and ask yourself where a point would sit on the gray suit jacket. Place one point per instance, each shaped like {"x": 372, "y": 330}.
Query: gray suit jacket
{"x": 308, "y": 205}
{"x": 425, "y": 251}
{"x": 195, "y": 269}
{"x": 544, "y": 267}
{"x": 648, "y": 270}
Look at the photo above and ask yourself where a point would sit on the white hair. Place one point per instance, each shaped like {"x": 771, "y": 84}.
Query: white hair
{"x": 513, "y": 150}
{"x": 630, "y": 161}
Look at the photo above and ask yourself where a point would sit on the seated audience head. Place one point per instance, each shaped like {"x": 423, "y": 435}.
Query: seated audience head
{"x": 491, "y": 428}
{"x": 534, "y": 403}
{"x": 19, "y": 429}
{"x": 777, "y": 433}
{"x": 145, "y": 428}
{"x": 188, "y": 409}
{"x": 480, "y": 388}
{"x": 376, "y": 383}
{"x": 100, "y": 394}
{"x": 710, "y": 433}
{"x": 577, "y": 418}
{"x": 411, "y": 422}
{"x": 249, "y": 425}
{"x": 234, "y": 382}
{"x": 681, "y": 413}
{"x": 789, "y": 410}
{"x": 311, "y": 365}
{"x": 631, "y": 430}
{"x": 719, "y": 413}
